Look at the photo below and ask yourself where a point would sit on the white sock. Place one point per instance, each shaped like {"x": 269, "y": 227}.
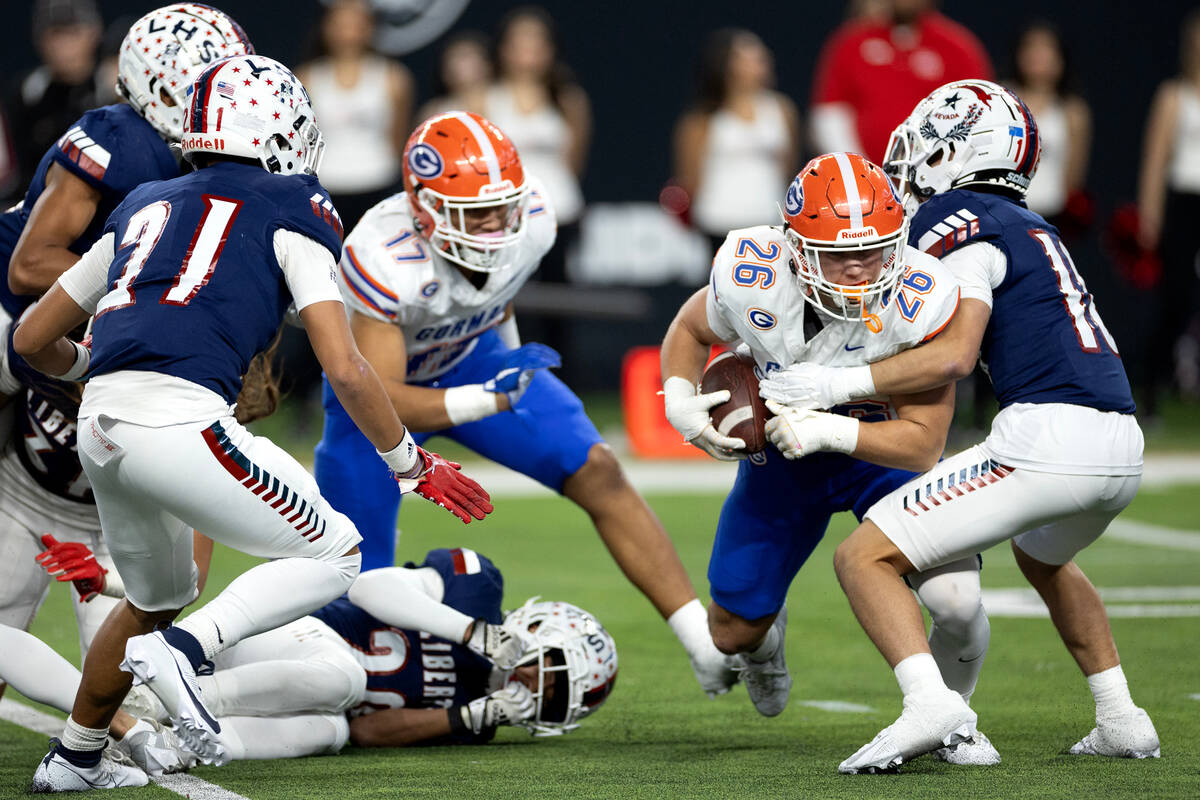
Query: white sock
{"x": 267, "y": 596}
{"x": 284, "y": 737}
{"x": 32, "y": 667}
{"x": 86, "y": 740}
{"x": 1111, "y": 691}
{"x": 918, "y": 673}
{"x": 690, "y": 623}
{"x": 271, "y": 688}
{"x": 398, "y": 596}
{"x": 768, "y": 647}
{"x": 959, "y": 636}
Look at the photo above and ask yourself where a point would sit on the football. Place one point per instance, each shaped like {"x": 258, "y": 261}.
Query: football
{"x": 744, "y": 414}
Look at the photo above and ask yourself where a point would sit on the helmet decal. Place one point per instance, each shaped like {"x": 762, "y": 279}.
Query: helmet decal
{"x": 793, "y": 201}
{"x": 425, "y": 162}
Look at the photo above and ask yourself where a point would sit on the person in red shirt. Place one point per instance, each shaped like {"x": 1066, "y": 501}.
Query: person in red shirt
{"x": 874, "y": 69}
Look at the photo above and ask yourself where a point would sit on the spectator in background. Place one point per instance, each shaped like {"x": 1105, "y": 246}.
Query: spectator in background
{"x": 463, "y": 75}
{"x": 736, "y": 150}
{"x": 873, "y": 70}
{"x": 49, "y": 99}
{"x": 1168, "y": 207}
{"x": 1041, "y": 78}
{"x": 364, "y": 102}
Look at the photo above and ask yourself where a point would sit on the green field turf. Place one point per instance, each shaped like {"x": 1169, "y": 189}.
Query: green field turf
{"x": 658, "y": 736}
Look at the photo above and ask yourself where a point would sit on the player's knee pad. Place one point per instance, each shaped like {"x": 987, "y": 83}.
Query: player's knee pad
{"x": 953, "y": 599}
{"x": 346, "y": 681}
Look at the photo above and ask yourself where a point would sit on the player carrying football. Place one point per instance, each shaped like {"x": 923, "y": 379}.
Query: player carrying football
{"x": 429, "y": 276}
{"x": 835, "y": 284}
{"x": 1064, "y": 455}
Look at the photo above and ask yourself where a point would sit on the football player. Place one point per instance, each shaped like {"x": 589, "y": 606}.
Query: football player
{"x": 836, "y": 284}
{"x": 190, "y": 279}
{"x": 1064, "y": 455}
{"x": 429, "y": 275}
{"x": 78, "y": 183}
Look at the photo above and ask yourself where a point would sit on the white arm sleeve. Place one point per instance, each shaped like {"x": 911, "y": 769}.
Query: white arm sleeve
{"x": 87, "y": 281}
{"x": 833, "y": 128}
{"x": 979, "y": 267}
{"x": 409, "y": 598}
{"x": 508, "y": 332}
{"x": 308, "y": 268}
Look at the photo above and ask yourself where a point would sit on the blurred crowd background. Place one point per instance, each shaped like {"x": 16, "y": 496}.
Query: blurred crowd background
{"x": 658, "y": 126}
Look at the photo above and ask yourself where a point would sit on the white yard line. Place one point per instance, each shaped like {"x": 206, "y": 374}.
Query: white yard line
{"x": 182, "y": 784}
{"x": 836, "y": 706}
{"x": 1127, "y": 530}
{"x": 1124, "y": 601}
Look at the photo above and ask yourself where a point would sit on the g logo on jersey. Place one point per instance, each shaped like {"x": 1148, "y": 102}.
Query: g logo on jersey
{"x": 424, "y": 161}
{"x": 430, "y": 289}
{"x": 763, "y": 320}
{"x": 794, "y": 199}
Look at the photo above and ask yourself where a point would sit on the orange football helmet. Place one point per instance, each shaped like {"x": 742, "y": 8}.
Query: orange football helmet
{"x": 842, "y": 203}
{"x": 458, "y": 162}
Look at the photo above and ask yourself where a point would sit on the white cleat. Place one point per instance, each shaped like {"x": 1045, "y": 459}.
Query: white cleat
{"x": 980, "y": 752}
{"x": 142, "y": 703}
{"x": 157, "y": 750}
{"x": 56, "y": 774}
{"x": 929, "y": 721}
{"x": 768, "y": 682}
{"x": 1130, "y": 735}
{"x": 168, "y": 673}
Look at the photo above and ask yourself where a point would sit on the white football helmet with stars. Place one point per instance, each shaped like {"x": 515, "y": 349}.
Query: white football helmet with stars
{"x": 253, "y": 107}
{"x": 163, "y": 53}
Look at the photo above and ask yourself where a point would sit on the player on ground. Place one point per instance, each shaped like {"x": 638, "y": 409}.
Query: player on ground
{"x": 836, "y": 285}
{"x": 1064, "y": 455}
{"x": 429, "y": 276}
{"x": 191, "y": 278}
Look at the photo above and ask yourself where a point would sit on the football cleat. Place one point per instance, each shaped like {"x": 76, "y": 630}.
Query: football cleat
{"x": 980, "y": 752}
{"x": 167, "y": 672}
{"x": 142, "y": 703}
{"x": 56, "y": 774}
{"x": 716, "y": 671}
{"x": 768, "y": 682}
{"x": 1129, "y": 735}
{"x": 157, "y": 750}
{"x": 929, "y": 721}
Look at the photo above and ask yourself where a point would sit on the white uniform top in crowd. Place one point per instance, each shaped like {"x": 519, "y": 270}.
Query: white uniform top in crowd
{"x": 753, "y": 296}
{"x": 390, "y": 273}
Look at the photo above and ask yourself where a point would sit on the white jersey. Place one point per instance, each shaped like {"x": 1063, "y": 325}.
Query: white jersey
{"x": 754, "y": 297}
{"x": 390, "y": 273}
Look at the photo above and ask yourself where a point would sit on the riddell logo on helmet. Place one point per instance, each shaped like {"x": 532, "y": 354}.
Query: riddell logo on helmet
{"x": 856, "y": 234}
{"x": 202, "y": 143}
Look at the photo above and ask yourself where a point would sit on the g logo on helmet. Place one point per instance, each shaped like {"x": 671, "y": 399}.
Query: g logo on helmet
{"x": 793, "y": 201}
{"x": 424, "y": 161}
{"x": 763, "y": 320}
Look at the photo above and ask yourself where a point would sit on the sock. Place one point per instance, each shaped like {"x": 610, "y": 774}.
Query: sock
{"x": 82, "y": 746}
{"x": 267, "y": 596}
{"x": 284, "y": 737}
{"x": 1111, "y": 691}
{"x": 768, "y": 647}
{"x": 918, "y": 673}
{"x": 275, "y": 688}
{"x": 690, "y": 624}
{"x": 35, "y": 670}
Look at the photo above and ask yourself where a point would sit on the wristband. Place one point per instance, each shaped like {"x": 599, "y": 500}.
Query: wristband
{"x": 852, "y": 383}
{"x": 402, "y": 459}
{"x": 470, "y": 403}
{"x": 83, "y": 357}
{"x": 843, "y": 434}
{"x": 457, "y": 726}
{"x": 678, "y": 388}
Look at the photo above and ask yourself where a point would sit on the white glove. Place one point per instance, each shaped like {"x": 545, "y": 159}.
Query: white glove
{"x": 508, "y": 706}
{"x": 500, "y": 645}
{"x": 808, "y": 385}
{"x": 688, "y": 413}
{"x": 801, "y": 432}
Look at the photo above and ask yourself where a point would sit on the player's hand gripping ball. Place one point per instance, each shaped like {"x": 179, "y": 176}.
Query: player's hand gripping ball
{"x": 744, "y": 415}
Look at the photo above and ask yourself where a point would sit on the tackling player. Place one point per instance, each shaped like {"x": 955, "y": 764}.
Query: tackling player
{"x": 429, "y": 276}
{"x": 191, "y": 278}
{"x": 836, "y": 284}
{"x": 1064, "y": 455}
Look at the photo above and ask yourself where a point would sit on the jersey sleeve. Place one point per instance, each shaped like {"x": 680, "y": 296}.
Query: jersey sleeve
{"x": 473, "y": 584}
{"x": 722, "y": 294}
{"x": 543, "y": 221}
{"x": 307, "y": 210}
{"x": 979, "y": 267}
{"x": 952, "y": 220}
{"x": 9, "y": 384}
{"x": 308, "y": 268}
{"x": 107, "y": 152}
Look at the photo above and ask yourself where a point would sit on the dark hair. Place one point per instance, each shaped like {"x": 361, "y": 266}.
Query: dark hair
{"x": 316, "y": 48}
{"x": 477, "y": 38}
{"x": 1065, "y": 86}
{"x": 1188, "y": 61}
{"x": 712, "y": 72}
{"x": 559, "y": 78}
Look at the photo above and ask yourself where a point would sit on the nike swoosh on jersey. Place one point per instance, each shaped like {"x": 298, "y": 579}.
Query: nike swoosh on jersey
{"x": 850, "y": 349}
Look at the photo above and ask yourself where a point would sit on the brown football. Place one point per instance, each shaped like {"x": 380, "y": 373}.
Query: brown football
{"x": 744, "y": 414}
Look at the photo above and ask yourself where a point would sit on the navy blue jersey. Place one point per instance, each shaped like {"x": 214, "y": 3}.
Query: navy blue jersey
{"x": 1045, "y": 341}
{"x": 111, "y": 149}
{"x": 412, "y": 669}
{"x": 195, "y": 288}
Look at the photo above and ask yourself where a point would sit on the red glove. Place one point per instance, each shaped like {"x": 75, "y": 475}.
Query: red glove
{"x": 74, "y": 562}
{"x": 442, "y": 482}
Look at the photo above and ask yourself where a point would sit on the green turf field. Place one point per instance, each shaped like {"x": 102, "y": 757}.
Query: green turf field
{"x": 659, "y": 736}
